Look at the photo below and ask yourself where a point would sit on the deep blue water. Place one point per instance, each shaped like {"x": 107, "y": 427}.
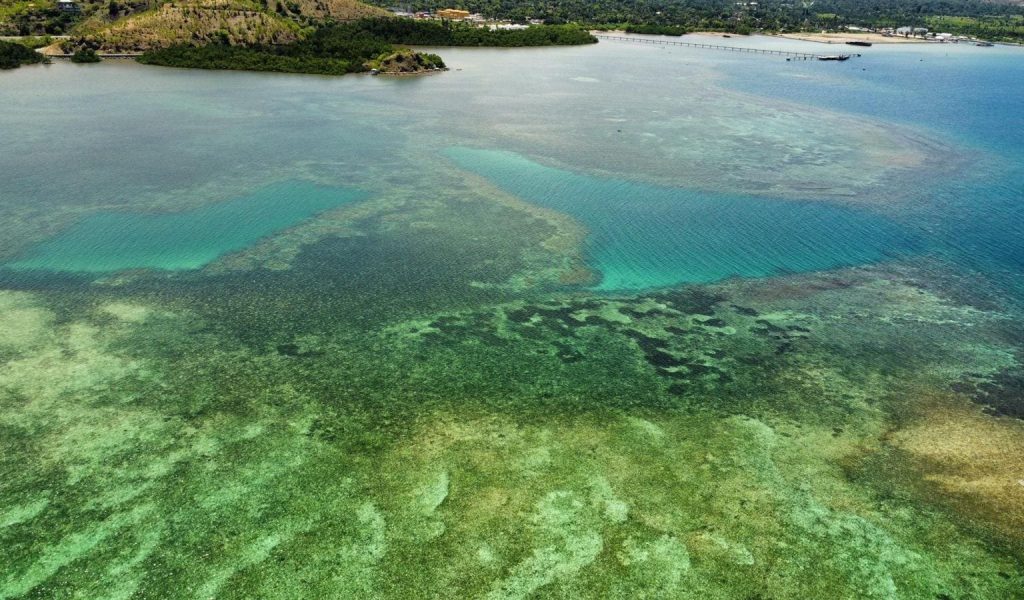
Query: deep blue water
{"x": 972, "y": 97}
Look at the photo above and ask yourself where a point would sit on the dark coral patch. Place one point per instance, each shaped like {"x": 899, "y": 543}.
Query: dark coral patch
{"x": 693, "y": 301}
{"x": 1002, "y": 395}
{"x": 745, "y": 311}
{"x": 662, "y": 359}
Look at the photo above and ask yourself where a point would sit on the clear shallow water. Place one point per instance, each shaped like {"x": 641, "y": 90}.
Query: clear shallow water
{"x": 407, "y": 397}
{"x": 179, "y": 134}
{"x": 643, "y": 236}
{"x": 113, "y": 241}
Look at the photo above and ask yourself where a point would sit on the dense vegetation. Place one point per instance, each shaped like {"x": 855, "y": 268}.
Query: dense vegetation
{"x": 981, "y": 18}
{"x": 85, "y": 55}
{"x": 359, "y": 46}
{"x": 406, "y": 62}
{"x": 14, "y": 55}
{"x": 652, "y": 29}
{"x": 329, "y": 51}
{"x": 238, "y": 58}
{"x": 988, "y": 19}
{"x": 1009, "y": 28}
{"x": 434, "y": 33}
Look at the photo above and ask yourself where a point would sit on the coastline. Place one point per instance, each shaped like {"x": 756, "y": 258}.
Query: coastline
{"x": 842, "y": 38}
{"x": 624, "y": 32}
{"x": 409, "y": 73}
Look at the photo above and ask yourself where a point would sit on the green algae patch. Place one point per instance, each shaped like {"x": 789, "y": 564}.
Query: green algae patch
{"x": 116, "y": 241}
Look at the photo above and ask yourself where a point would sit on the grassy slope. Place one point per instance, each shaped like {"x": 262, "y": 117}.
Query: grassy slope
{"x": 234, "y": 22}
{"x": 13, "y": 7}
{"x": 340, "y": 10}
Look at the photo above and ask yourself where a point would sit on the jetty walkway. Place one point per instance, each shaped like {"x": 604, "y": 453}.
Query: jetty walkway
{"x": 101, "y": 55}
{"x": 639, "y": 40}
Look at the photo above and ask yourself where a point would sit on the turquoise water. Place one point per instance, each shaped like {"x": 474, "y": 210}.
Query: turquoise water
{"x": 407, "y": 397}
{"x": 750, "y": 185}
{"x": 967, "y": 96}
{"x": 112, "y": 241}
{"x": 644, "y": 236}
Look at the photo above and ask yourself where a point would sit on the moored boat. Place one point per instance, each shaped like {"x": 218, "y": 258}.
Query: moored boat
{"x": 834, "y": 57}
{"x": 859, "y": 43}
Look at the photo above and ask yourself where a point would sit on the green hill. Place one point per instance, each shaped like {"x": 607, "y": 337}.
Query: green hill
{"x": 139, "y": 25}
{"x": 317, "y": 10}
{"x": 231, "y": 22}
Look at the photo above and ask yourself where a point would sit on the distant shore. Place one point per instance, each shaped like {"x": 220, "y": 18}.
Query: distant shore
{"x": 842, "y": 38}
{"x": 624, "y": 32}
{"x": 823, "y": 38}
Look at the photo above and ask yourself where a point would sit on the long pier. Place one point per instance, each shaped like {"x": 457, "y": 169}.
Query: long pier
{"x": 101, "y": 55}
{"x": 639, "y": 40}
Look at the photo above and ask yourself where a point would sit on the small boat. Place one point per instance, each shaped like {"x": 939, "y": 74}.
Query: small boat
{"x": 859, "y": 43}
{"x": 984, "y": 44}
{"x": 835, "y": 57}
{"x": 726, "y": 35}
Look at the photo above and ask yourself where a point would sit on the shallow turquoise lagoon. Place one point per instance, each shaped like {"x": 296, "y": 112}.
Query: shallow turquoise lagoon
{"x": 406, "y": 402}
{"x": 113, "y": 241}
{"x": 645, "y": 236}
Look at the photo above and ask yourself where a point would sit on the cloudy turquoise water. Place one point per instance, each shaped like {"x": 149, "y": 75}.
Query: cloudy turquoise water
{"x": 644, "y": 236}
{"x": 357, "y": 353}
{"x": 177, "y": 134}
{"x": 113, "y": 241}
{"x": 967, "y": 95}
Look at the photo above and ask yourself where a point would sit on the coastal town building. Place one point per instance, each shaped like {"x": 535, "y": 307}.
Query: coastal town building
{"x": 453, "y": 14}
{"x": 68, "y": 6}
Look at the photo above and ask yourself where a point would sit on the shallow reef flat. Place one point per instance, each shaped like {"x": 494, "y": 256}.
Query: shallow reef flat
{"x": 743, "y": 439}
{"x": 693, "y": 128}
{"x": 431, "y": 390}
{"x": 543, "y": 245}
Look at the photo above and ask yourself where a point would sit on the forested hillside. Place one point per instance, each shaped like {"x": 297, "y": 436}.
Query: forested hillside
{"x": 995, "y": 19}
{"x": 273, "y": 21}
{"x": 362, "y": 45}
{"x": 20, "y": 17}
{"x": 229, "y": 22}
